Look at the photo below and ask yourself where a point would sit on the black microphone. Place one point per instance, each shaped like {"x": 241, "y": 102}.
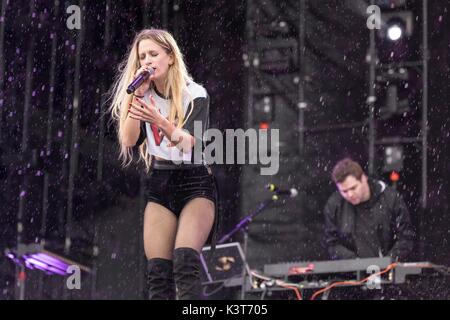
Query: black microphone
{"x": 136, "y": 83}
{"x": 292, "y": 192}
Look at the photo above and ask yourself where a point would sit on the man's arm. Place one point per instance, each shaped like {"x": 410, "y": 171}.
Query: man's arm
{"x": 332, "y": 239}
{"x": 403, "y": 231}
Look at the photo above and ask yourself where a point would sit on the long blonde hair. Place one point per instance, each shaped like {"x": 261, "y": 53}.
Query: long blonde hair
{"x": 175, "y": 86}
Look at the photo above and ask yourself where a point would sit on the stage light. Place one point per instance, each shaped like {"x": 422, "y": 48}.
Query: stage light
{"x": 392, "y": 99}
{"x": 394, "y": 32}
{"x": 393, "y": 104}
{"x": 397, "y": 25}
{"x": 393, "y": 159}
{"x": 394, "y": 176}
{"x": 394, "y": 83}
{"x": 264, "y": 111}
{"x": 35, "y": 256}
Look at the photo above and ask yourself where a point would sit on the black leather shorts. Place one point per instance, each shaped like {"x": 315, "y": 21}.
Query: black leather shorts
{"x": 173, "y": 186}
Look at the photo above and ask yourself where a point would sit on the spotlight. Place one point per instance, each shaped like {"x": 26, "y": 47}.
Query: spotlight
{"x": 394, "y": 32}
{"x": 397, "y": 25}
{"x": 393, "y": 104}
{"x": 394, "y": 176}
{"x": 35, "y": 256}
{"x": 264, "y": 111}
{"x": 393, "y": 159}
{"x": 392, "y": 99}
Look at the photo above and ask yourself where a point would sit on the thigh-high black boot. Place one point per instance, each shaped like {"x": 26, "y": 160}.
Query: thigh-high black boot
{"x": 186, "y": 267}
{"x": 160, "y": 281}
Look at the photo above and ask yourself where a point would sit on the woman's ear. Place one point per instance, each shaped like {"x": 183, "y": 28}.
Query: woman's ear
{"x": 171, "y": 59}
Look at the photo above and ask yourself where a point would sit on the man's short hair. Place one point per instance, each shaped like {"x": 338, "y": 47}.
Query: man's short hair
{"x": 344, "y": 168}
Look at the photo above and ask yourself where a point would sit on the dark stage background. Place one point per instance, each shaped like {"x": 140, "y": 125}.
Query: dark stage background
{"x": 59, "y": 169}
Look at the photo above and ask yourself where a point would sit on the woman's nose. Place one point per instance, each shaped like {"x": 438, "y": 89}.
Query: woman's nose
{"x": 148, "y": 61}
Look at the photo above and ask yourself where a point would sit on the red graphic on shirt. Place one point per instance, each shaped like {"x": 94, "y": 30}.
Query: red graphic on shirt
{"x": 156, "y": 134}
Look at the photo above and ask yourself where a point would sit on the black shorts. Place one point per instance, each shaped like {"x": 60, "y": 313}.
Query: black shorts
{"x": 174, "y": 188}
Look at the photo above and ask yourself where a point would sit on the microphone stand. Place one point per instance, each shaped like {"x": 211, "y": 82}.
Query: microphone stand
{"x": 243, "y": 226}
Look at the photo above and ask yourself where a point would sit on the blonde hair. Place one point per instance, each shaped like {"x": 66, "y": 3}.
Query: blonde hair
{"x": 175, "y": 86}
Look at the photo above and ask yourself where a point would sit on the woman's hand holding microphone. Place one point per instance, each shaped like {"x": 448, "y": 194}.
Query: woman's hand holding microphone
{"x": 139, "y": 109}
{"x": 143, "y": 88}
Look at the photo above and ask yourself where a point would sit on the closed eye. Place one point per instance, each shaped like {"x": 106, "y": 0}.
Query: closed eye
{"x": 350, "y": 189}
{"x": 153, "y": 54}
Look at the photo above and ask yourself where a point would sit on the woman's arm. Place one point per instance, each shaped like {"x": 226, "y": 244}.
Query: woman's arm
{"x": 178, "y": 137}
{"x": 147, "y": 112}
{"x": 132, "y": 127}
{"x": 131, "y": 130}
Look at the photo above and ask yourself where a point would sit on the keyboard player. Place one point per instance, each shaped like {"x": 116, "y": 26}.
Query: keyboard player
{"x": 365, "y": 217}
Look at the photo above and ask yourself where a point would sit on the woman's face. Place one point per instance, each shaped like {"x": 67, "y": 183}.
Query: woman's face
{"x": 152, "y": 54}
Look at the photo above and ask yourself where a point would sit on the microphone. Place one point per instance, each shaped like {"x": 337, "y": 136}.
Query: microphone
{"x": 141, "y": 77}
{"x": 292, "y": 192}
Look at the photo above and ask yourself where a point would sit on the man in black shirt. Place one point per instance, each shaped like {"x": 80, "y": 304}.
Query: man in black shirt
{"x": 365, "y": 217}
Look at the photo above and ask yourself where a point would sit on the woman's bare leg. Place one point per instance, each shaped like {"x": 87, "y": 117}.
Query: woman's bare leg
{"x": 160, "y": 227}
{"x": 195, "y": 223}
